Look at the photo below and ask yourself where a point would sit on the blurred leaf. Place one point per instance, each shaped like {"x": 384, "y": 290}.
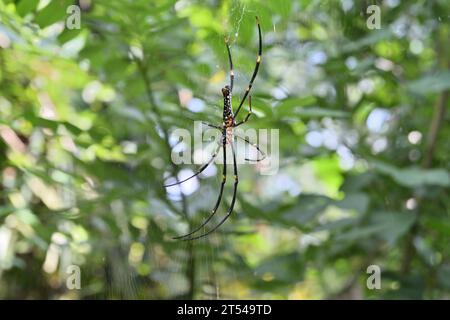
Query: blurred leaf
{"x": 388, "y": 226}
{"x": 5, "y": 210}
{"x": 26, "y": 6}
{"x": 328, "y": 170}
{"x": 395, "y": 224}
{"x": 53, "y": 12}
{"x": 430, "y": 83}
{"x": 354, "y": 201}
{"x": 414, "y": 176}
{"x": 305, "y": 107}
{"x": 288, "y": 267}
{"x": 307, "y": 208}
{"x": 355, "y": 182}
{"x": 372, "y": 38}
{"x": 444, "y": 275}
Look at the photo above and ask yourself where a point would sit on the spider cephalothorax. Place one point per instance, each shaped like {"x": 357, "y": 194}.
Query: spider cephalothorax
{"x": 227, "y": 137}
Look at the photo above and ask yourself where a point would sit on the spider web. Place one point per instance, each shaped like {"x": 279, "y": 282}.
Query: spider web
{"x": 211, "y": 275}
{"x": 209, "y": 272}
{"x": 215, "y": 282}
{"x": 211, "y": 280}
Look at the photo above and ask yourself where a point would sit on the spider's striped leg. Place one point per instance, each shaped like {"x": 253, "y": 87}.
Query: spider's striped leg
{"x": 224, "y": 179}
{"x": 249, "y": 112}
{"x": 233, "y": 200}
{"x": 199, "y": 171}
{"x": 231, "y": 64}
{"x": 255, "y": 146}
{"x": 255, "y": 72}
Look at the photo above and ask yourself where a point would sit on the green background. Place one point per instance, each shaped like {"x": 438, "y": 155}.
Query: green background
{"x": 86, "y": 120}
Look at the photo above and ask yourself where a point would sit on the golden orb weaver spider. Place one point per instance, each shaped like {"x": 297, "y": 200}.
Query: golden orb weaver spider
{"x": 229, "y": 122}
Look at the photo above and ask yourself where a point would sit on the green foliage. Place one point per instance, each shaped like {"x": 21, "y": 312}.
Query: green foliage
{"x": 85, "y": 123}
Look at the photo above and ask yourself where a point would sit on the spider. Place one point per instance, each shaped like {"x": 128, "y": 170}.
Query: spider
{"x": 229, "y": 123}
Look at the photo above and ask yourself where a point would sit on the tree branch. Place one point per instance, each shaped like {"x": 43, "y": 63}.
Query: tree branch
{"x": 190, "y": 265}
{"x": 430, "y": 147}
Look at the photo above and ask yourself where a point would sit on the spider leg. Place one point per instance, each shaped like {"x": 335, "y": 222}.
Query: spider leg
{"x": 231, "y": 64}
{"x": 214, "y": 210}
{"x": 206, "y": 123}
{"x": 255, "y": 72}
{"x": 198, "y": 172}
{"x": 255, "y": 146}
{"x": 212, "y": 125}
{"x": 249, "y": 112}
{"x": 233, "y": 200}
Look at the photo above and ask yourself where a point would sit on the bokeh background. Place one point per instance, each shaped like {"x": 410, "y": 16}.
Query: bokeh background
{"x": 86, "y": 123}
